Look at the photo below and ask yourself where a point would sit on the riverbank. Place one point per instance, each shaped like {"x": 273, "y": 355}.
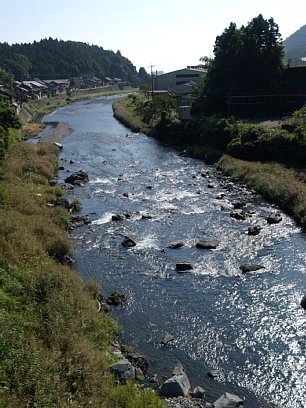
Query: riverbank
{"x": 277, "y": 183}
{"x": 51, "y": 332}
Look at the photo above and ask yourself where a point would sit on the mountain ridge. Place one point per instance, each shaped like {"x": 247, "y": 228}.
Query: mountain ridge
{"x": 295, "y": 44}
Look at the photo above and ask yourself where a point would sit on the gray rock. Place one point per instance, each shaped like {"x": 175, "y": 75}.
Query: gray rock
{"x": 128, "y": 242}
{"x": 254, "y": 230}
{"x": 78, "y": 178}
{"x": 214, "y": 373}
{"x": 250, "y": 268}
{"x": 176, "y": 386}
{"x": 123, "y": 371}
{"x": 303, "y": 302}
{"x": 239, "y": 204}
{"x": 138, "y": 360}
{"x": 274, "y": 218}
{"x": 228, "y": 400}
{"x": 104, "y": 308}
{"x": 208, "y": 243}
{"x": 198, "y": 392}
{"x": 115, "y": 299}
{"x": 139, "y": 374}
{"x": 176, "y": 245}
{"x": 53, "y": 182}
{"x": 146, "y": 217}
{"x": 238, "y": 215}
{"x": 183, "y": 267}
{"x": 78, "y": 220}
{"x": 62, "y": 202}
{"x": 65, "y": 260}
{"x": 178, "y": 369}
{"x": 118, "y": 217}
{"x": 167, "y": 339}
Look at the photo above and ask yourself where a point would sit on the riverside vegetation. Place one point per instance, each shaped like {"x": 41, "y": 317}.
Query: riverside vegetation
{"x": 54, "y": 344}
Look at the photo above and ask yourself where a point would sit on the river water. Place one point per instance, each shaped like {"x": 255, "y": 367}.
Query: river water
{"x": 249, "y": 326}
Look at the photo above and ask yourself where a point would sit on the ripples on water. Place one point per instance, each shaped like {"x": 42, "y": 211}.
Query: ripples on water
{"x": 249, "y": 326}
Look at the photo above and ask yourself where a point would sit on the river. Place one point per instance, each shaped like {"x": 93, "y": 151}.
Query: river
{"x": 249, "y": 326}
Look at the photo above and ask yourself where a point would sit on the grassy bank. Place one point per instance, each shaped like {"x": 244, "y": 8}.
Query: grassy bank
{"x": 124, "y": 111}
{"x": 277, "y": 183}
{"x": 53, "y": 342}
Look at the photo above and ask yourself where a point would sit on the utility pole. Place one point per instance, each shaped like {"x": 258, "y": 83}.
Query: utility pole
{"x": 152, "y": 80}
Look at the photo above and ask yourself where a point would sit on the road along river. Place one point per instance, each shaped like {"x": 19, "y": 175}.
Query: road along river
{"x": 247, "y": 325}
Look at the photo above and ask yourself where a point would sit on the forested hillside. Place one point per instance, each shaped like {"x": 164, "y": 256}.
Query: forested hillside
{"x": 53, "y": 58}
{"x": 295, "y": 44}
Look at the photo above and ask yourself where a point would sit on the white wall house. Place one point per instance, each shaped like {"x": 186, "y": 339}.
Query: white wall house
{"x": 179, "y": 77}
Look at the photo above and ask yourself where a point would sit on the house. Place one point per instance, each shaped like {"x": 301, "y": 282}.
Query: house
{"x": 181, "y": 98}
{"x": 91, "y": 82}
{"x": 179, "y": 77}
{"x": 33, "y": 88}
{"x": 57, "y": 86}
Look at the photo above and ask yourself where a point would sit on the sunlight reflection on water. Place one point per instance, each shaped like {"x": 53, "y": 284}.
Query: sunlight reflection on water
{"x": 249, "y": 326}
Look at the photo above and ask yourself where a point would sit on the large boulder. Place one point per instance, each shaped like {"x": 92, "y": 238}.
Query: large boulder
{"x": 228, "y": 400}
{"x": 79, "y": 178}
{"x": 208, "y": 243}
{"x": 176, "y": 386}
{"x": 123, "y": 371}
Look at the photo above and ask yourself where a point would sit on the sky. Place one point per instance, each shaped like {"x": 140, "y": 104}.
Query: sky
{"x": 165, "y": 34}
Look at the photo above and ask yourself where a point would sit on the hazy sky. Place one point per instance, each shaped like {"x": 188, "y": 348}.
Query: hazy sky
{"x": 167, "y": 33}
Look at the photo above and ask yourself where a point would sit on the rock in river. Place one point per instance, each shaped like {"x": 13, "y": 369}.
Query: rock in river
{"x": 167, "y": 339}
{"x": 115, "y": 299}
{"x": 176, "y": 386}
{"x": 250, "y": 268}
{"x": 274, "y": 218}
{"x": 183, "y": 267}
{"x": 175, "y": 245}
{"x": 128, "y": 242}
{"x": 303, "y": 302}
{"x": 79, "y": 178}
{"x": 254, "y": 230}
{"x": 228, "y": 400}
{"x": 208, "y": 243}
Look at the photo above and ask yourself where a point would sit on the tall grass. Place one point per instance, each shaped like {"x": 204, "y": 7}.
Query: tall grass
{"x": 53, "y": 343}
{"x": 124, "y": 111}
{"x": 276, "y": 183}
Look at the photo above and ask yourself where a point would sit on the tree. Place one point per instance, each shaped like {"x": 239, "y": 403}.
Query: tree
{"x": 246, "y": 61}
{"x": 8, "y": 117}
{"x": 144, "y": 77}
